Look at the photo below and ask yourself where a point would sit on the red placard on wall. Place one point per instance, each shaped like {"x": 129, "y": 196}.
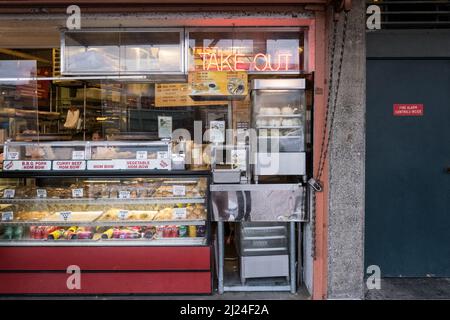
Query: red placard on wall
{"x": 408, "y": 110}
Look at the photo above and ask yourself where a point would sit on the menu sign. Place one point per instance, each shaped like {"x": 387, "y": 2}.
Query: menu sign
{"x": 177, "y": 95}
{"x": 32, "y": 165}
{"x": 122, "y": 164}
{"x": 69, "y": 165}
{"x": 218, "y": 85}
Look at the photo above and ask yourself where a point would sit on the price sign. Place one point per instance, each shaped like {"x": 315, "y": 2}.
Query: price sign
{"x": 65, "y": 215}
{"x": 13, "y": 156}
{"x": 179, "y": 213}
{"x": 78, "y": 155}
{"x": 141, "y": 155}
{"x": 123, "y": 214}
{"x": 77, "y": 193}
{"x": 124, "y": 194}
{"x": 7, "y": 216}
{"x": 179, "y": 191}
{"x": 41, "y": 193}
{"x": 163, "y": 155}
{"x": 9, "y": 193}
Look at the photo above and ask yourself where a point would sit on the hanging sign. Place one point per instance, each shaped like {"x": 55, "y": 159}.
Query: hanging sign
{"x": 177, "y": 95}
{"x": 218, "y": 85}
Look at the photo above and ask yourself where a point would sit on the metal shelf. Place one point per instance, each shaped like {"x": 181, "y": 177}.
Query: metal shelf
{"x": 279, "y": 127}
{"x": 106, "y": 223}
{"x": 265, "y": 228}
{"x": 263, "y": 237}
{"x": 103, "y": 201}
{"x": 279, "y": 137}
{"x": 107, "y": 242}
{"x": 264, "y": 249}
{"x": 279, "y": 116}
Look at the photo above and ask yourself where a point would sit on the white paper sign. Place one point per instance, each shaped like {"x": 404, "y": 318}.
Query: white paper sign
{"x": 13, "y": 156}
{"x": 164, "y": 127}
{"x": 124, "y": 194}
{"x": 78, "y": 155}
{"x": 77, "y": 193}
{"x": 122, "y": 164}
{"x": 41, "y": 193}
{"x": 123, "y": 214}
{"x": 65, "y": 215}
{"x": 162, "y": 155}
{"x": 179, "y": 213}
{"x": 7, "y": 216}
{"x": 179, "y": 191}
{"x": 9, "y": 193}
{"x": 239, "y": 159}
{"x": 69, "y": 165}
{"x": 141, "y": 155}
{"x": 217, "y": 131}
{"x": 32, "y": 165}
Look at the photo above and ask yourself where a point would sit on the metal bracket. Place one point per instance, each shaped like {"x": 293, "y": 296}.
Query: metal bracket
{"x": 315, "y": 185}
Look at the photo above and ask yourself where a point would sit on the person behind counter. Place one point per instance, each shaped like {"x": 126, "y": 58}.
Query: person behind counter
{"x": 97, "y": 136}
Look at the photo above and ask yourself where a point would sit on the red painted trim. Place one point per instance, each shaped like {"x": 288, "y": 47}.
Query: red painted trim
{"x": 105, "y": 258}
{"x": 320, "y": 83}
{"x": 107, "y": 283}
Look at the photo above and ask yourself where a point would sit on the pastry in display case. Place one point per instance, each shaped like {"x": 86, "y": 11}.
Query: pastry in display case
{"x": 111, "y": 155}
{"x": 110, "y": 210}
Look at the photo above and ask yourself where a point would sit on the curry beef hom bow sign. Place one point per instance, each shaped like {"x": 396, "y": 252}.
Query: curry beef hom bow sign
{"x": 408, "y": 110}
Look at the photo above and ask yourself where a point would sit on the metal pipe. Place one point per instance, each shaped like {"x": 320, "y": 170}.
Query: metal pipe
{"x": 292, "y": 257}
{"x": 84, "y": 112}
{"x": 221, "y": 249}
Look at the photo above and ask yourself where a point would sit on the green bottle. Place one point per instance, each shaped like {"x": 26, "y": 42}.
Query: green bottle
{"x": 8, "y": 234}
{"x": 18, "y": 233}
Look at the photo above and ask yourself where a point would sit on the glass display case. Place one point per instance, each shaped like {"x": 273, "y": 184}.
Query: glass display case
{"x": 279, "y": 118}
{"x": 112, "y": 155}
{"x": 68, "y": 211}
{"x": 79, "y": 155}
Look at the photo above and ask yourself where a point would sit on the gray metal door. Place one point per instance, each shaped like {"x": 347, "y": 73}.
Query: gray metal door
{"x": 407, "y": 183}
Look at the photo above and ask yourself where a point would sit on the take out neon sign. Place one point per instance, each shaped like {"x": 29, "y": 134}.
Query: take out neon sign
{"x": 220, "y": 60}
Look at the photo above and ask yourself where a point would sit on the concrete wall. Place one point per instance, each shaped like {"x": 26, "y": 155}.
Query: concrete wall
{"x": 346, "y": 166}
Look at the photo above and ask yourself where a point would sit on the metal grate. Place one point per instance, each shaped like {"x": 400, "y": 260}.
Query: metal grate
{"x": 406, "y": 14}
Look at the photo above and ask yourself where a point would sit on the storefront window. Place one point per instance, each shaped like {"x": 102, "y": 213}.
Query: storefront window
{"x": 19, "y": 98}
{"x": 125, "y": 52}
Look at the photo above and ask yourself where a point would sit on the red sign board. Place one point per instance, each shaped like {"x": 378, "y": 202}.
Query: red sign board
{"x": 408, "y": 110}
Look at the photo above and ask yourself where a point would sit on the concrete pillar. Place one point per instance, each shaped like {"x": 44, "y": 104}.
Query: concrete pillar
{"x": 346, "y": 166}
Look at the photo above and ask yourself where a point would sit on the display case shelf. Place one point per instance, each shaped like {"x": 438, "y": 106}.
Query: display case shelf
{"x": 279, "y": 127}
{"x": 107, "y": 200}
{"x": 279, "y": 116}
{"x": 280, "y": 137}
{"x": 108, "y": 223}
{"x": 108, "y": 242}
